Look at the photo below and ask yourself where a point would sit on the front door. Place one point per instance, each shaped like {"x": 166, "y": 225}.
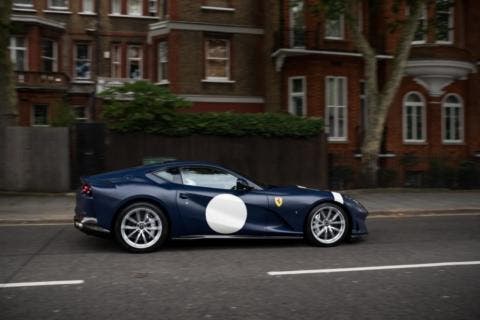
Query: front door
{"x": 210, "y": 205}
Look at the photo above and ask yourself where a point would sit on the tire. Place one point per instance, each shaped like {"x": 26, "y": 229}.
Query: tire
{"x": 141, "y": 227}
{"x": 327, "y": 225}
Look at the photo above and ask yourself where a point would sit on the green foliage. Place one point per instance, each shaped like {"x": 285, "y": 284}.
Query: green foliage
{"x": 63, "y": 116}
{"x": 386, "y": 177}
{"x": 152, "y": 109}
{"x": 439, "y": 174}
{"x": 468, "y": 175}
{"x": 140, "y": 106}
{"x": 341, "y": 177}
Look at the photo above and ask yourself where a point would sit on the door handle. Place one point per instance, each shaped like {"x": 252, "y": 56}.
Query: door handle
{"x": 183, "y": 196}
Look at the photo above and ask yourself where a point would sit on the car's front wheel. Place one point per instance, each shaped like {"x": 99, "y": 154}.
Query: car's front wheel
{"x": 327, "y": 225}
{"x": 141, "y": 227}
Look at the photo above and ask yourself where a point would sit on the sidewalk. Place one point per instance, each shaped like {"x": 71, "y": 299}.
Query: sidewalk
{"x": 58, "y": 208}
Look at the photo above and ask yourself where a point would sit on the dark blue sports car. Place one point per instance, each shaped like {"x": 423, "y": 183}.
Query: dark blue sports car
{"x": 143, "y": 207}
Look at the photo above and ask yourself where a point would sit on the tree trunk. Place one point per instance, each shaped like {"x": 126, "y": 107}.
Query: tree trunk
{"x": 379, "y": 100}
{"x": 8, "y": 112}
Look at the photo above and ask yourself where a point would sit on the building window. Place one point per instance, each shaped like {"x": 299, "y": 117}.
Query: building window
{"x": 18, "y": 53}
{"x": 444, "y": 21}
{"x": 81, "y": 113}
{"x": 49, "y": 56}
{"x": 134, "y": 7}
{"x": 334, "y": 27}
{"x": 23, "y": 3}
{"x": 163, "y": 8}
{"x": 297, "y": 24}
{"x": 116, "y": 7}
{"x": 421, "y": 32}
{"x": 83, "y": 61}
{"x": 336, "y": 108}
{"x": 152, "y": 8}
{"x": 58, "y": 4}
{"x": 116, "y": 61}
{"x": 40, "y": 115}
{"x": 134, "y": 65}
{"x": 414, "y": 125}
{"x": 217, "y": 3}
{"x": 297, "y": 89}
{"x": 162, "y": 72}
{"x": 452, "y": 119}
{"x": 88, "y": 6}
{"x": 217, "y": 59}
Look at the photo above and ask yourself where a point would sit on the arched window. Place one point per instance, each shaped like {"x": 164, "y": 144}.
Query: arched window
{"x": 414, "y": 124}
{"x": 452, "y": 119}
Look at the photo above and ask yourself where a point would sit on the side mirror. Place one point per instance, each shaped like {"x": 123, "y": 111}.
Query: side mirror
{"x": 242, "y": 185}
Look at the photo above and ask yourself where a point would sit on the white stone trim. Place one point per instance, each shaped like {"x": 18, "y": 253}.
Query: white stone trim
{"x": 218, "y": 81}
{"x": 115, "y": 15}
{"x": 37, "y": 19}
{"x": 217, "y": 8}
{"x": 281, "y": 54}
{"x": 222, "y": 99}
{"x": 60, "y": 11}
{"x": 24, "y": 9}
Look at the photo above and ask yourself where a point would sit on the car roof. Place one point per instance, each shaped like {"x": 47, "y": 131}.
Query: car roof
{"x": 180, "y": 163}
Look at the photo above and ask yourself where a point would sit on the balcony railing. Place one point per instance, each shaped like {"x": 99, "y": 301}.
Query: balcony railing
{"x": 41, "y": 79}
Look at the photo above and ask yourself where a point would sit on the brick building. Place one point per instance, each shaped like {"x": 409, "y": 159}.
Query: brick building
{"x": 255, "y": 56}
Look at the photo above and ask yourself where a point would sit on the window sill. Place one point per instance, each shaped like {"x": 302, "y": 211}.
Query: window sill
{"x": 40, "y": 125}
{"x": 218, "y": 81}
{"x": 162, "y": 82}
{"x": 58, "y": 11}
{"x": 337, "y": 140}
{"x": 26, "y": 9}
{"x": 444, "y": 42}
{"x": 381, "y": 155}
{"x": 211, "y": 8}
{"x": 335, "y": 38}
{"x": 83, "y": 81}
{"x": 87, "y": 14}
{"x": 416, "y": 43}
{"x": 113, "y": 15}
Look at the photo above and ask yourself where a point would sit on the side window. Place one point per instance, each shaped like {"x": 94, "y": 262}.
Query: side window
{"x": 208, "y": 178}
{"x": 171, "y": 174}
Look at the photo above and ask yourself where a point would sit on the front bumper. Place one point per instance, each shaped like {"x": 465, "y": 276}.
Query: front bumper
{"x": 89, "y": 226}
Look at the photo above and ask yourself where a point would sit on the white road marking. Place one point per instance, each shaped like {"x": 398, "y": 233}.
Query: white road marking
{"x": 401, "y": 266}
{"x": 41, "y": 283}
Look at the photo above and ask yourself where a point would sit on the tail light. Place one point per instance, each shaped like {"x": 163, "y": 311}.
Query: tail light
{"x": 87, "y": 189}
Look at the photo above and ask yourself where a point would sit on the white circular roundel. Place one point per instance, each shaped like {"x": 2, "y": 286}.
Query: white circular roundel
{"x": 226, "y": 213}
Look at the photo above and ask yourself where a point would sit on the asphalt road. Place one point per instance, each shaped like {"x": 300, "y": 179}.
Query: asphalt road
{"x": 229, "y": 279}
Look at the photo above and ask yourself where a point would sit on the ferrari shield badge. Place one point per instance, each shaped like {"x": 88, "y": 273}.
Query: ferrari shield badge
{"x": 278, "y": 201}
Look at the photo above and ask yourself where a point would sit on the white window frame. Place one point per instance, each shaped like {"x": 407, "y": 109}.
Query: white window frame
{"x": 91, "y": 5}
{"x": 207, "y": 58}
{"x": 13, "y": 51}
{"x": 423, "y": 18}
{"x": 129, "y": 11}
{"x": 86, "y": 116}
{"x": 302, "y": 94}
{"x": 52, "y": 7}
{"x": 421, "y": 104}
{"x": 461, "y": 120}
{"x": 341, "y": 17}
{"x": 32, "y": 116}
{"x": 293, "y": 26}
{"x": 140, "y": 59}
{"x": 55, "y": 55}
{"x": 116, "y": 7}
{"x": 114, "y": 60}
{"x": 75, "y": 58}
{"x": 333, "y": 136}
{"x": 451, "y": 22}
{"x": 23, "y": 5}
{"x": 162, "y": 62}
{"x": 153, "y": 8}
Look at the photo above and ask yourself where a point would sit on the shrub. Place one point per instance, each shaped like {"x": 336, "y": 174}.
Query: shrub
{"x": 144, "y": 107}
{"x": 63, "y": 115}
{"x": 468, "y": 175}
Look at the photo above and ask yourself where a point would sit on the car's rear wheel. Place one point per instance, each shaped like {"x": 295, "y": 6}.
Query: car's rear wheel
{"x": 141, "y": 227}
{"x": 327, "y": 225}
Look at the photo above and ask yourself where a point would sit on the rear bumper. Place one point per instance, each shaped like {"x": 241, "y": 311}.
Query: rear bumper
{"x": 89, "y": 225}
